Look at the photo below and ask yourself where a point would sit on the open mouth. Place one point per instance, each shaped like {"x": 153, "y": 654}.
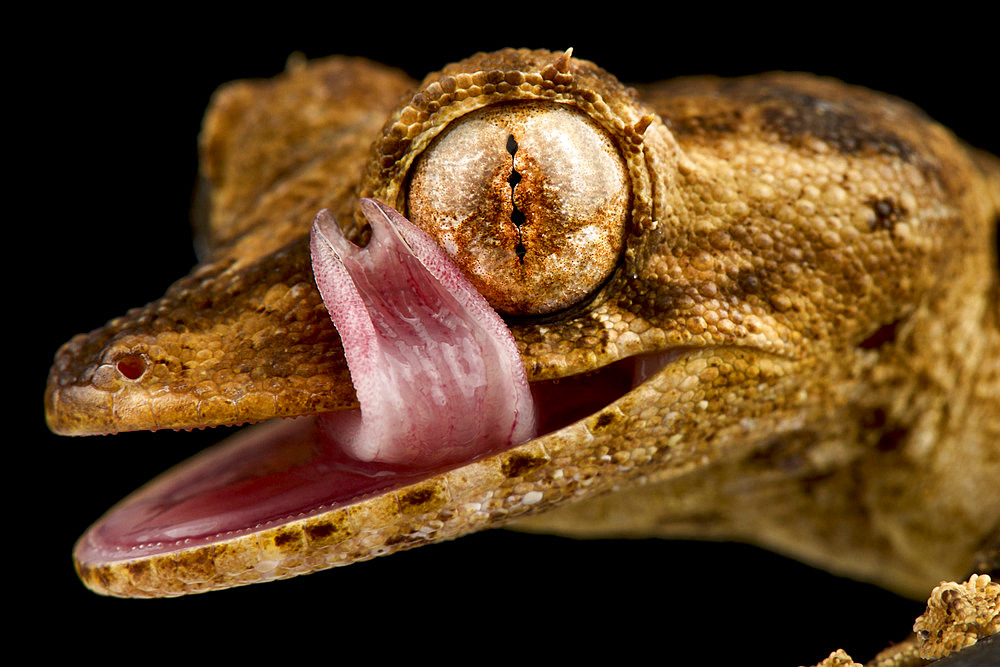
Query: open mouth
{"x": 286, "y": 470}
{"x": 439, "y": 381}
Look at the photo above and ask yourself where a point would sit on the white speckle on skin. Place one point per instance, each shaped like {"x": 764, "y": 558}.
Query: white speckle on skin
{"x": 531, "y": 497}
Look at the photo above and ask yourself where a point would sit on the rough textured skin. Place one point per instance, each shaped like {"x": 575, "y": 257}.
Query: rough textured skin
{"x": 821, "y": 257}
{"x": 958, "y": 615}
{"x": 839, "y": 659}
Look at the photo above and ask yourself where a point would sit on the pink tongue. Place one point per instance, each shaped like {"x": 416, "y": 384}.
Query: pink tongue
{"x": 437, "y": 374}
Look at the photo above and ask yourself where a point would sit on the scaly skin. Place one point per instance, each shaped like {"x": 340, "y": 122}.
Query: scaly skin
{"x": 822, "y": 254}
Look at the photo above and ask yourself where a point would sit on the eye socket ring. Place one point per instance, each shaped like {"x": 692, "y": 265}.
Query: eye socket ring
{"x": 530, "y": 199}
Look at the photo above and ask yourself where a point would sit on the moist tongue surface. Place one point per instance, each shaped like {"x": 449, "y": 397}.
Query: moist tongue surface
{"x": 436, "y": 371}
{"x": 438, "y": 378}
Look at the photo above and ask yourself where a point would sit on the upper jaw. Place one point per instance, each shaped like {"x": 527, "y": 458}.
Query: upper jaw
{"x": 227, "y": 344}
{"x": 238, "y": 344}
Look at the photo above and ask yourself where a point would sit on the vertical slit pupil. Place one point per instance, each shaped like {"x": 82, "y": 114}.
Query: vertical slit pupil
{"x": 515, "y": 177}
{"x": 515, "y": 216}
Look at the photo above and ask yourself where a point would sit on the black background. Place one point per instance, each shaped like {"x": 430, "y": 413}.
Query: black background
{"x": 109, "y": 114}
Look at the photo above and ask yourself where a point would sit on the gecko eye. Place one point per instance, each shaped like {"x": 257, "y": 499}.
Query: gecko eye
{"x": 529, "y": 199}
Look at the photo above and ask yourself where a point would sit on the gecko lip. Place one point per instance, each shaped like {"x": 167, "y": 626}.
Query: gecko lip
{"x": 280, "y": 471}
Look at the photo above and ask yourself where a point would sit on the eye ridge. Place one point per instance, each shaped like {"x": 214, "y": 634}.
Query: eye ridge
{"x": 516, "y": 216}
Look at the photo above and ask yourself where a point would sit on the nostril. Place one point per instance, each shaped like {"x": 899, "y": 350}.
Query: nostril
{"x": 131, "y": 366}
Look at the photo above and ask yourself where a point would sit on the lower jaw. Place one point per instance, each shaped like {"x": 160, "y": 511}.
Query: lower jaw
{"x": 287, "y": 470}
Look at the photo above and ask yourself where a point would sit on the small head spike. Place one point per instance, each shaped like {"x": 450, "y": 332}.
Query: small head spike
{"x": 643, "y": 124}
{"x": 562, "y": 62}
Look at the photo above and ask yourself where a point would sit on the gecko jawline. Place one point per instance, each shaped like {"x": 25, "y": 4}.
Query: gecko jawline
{"x": 286, "y": 470}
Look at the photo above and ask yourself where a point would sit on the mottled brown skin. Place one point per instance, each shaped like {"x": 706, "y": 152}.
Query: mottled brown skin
{"x": 819, "y": 255}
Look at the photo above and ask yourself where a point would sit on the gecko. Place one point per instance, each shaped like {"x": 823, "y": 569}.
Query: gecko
{"x": 774, "y": 225}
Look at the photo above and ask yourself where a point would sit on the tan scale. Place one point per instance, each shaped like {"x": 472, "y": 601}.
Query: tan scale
{"x": 817, "y": 256}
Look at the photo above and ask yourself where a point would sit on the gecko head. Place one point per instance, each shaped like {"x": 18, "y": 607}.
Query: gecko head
{"x": 530, "y": 172}
{"x": 629, "y": 304}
